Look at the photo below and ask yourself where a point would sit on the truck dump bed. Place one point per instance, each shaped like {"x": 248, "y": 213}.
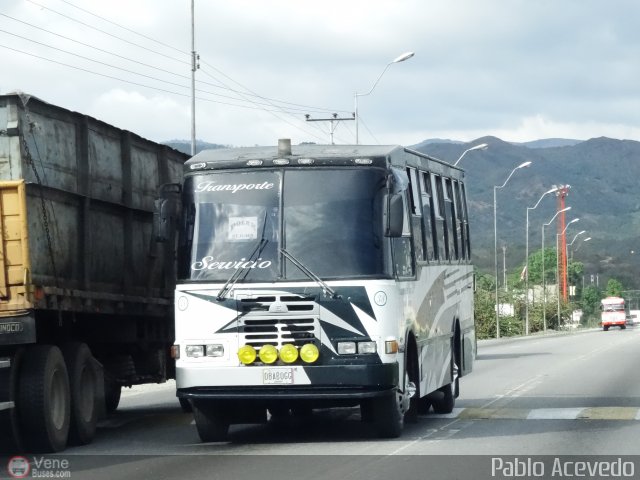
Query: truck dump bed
{"x": 76, "y": 212}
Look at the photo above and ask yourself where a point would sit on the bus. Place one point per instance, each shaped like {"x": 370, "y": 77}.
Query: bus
{"x": 320, "y": 276}
{"x": 613, "y": 313}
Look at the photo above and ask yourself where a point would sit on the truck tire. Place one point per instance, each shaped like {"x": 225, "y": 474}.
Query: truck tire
{"x": 211, "y": 421}
{"x": 10, "y": 438}
{"x": 44, "y": 401}
{"x": 112, "y": 393}
{"x": 83, "y": 387}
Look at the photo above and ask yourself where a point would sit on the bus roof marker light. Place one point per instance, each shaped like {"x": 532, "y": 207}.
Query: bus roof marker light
{"x": 254, "y": 163}
{"x": 197, "y": 166}
{"x": 305, "y": 161}
{"x": 281, "y": 161}
{"x": 362, "y": 161}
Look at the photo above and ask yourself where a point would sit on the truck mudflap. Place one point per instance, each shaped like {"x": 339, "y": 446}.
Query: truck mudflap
{"x": 18, "y": 330}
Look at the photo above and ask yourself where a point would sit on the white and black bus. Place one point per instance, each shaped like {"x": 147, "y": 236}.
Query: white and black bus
{"x": 320, "y": 276}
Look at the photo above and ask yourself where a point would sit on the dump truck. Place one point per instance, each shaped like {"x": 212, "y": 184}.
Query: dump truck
{"x": 86, "y": 293}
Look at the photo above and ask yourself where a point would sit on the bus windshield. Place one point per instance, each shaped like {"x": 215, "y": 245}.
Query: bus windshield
{"x": 329, "y": 219}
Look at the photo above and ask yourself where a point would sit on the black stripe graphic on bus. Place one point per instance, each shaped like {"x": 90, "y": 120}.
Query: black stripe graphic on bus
{"x": 355, "y": 295}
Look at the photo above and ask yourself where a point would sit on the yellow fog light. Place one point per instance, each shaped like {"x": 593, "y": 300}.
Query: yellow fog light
{"x": 268, "y": 354}
{"x": 247, "y": 354}
{"x": 288, "y": 353}
{"x": 309, "y": 353}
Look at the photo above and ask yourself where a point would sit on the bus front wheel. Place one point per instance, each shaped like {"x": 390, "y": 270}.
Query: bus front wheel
{"x": 388, "y": 418}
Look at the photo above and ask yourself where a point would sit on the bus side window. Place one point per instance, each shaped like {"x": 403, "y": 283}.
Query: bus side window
{"x": 450, "y": 213}
{"x": 415, "y": 213}
{"x": 428, "y": 217}
{"x": 441, "y": 221}
{"x": 403, "y": 258}
{"x": 465, "y": 216}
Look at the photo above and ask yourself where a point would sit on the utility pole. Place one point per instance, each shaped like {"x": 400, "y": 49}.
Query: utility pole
{"x": 562, "y": 193}
{"x": 334, "y": 120}
{"x": 194, "y": 66}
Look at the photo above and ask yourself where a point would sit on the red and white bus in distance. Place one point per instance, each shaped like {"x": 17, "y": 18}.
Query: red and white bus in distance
{"x": 613, "y": 313}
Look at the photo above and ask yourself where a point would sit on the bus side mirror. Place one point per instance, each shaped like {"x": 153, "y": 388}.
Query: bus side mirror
{"x": 165, "y": 212}
{"x": 394, "y": 213}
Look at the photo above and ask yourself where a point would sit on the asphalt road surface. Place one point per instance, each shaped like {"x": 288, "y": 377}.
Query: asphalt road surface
{"x": 561, "y": 396}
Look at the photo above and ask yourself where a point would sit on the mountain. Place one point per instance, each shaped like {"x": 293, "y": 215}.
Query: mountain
{"x": 550, "y": 142}
{"x": 603, "y": 174}
{"x": 185, "y": 145}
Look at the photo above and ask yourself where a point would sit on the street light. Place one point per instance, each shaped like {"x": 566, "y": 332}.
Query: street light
{"x": 495, "y": 241}
{"x": 401, "y": 58}
{"x": 579, "y": 245}
{"x": 558, "y": 235}
{"x": 526, "y": 268}
{"x": 482, "y": 146}
{"x": 544, "y": 283}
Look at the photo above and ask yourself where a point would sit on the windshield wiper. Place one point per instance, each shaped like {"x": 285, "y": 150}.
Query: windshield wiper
{"x": 236, "y": 275}
{"x": 325, "y": 288}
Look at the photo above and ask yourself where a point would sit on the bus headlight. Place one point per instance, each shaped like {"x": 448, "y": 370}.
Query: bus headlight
{"x": 309, "y": 353}
{"x": 268, "y": 354}
{"x": 194, "y": 351}
{"x": 246, "y": 354}
{"x": 346, "y": 348}
{"x": 288, "y": 353}
{"x": 367, "y": 347}
{"x": 215, "y": 350}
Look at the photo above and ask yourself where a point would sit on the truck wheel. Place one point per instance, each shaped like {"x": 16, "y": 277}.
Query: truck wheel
{"x": 83, "y": 387}
{"x": 10, "y": 442}
{"x": 44, "y": 399}
{"x": 211, "y": 423}
{"x": 112, "y": 393}
{"x": 388, "y": 419}
{"x": 185, "y": 405}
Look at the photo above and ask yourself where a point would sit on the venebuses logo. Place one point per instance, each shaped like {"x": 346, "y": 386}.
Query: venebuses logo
{"x": 18, "y": 467}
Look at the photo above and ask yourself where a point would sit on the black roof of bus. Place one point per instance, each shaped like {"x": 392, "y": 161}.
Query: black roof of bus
{"x": 305, "y": 150}
{"x": 321, "y": 154}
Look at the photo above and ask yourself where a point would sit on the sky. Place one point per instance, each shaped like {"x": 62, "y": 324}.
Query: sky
{"x": 519, "y": 70}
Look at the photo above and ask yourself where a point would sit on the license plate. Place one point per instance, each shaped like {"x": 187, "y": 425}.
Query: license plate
{"x": 277, "y": 376}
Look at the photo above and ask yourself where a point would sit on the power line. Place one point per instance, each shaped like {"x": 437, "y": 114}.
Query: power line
{"x": 109, "y": 34}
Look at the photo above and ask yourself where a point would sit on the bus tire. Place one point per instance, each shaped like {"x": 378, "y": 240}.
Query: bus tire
{"x": 388, "y": 419}
{"x": 605, "y": 328}
{"x": 444, "y": 399}
{"x": 83, "y": 387}
{"x": 185, "y": 405}
{"x": 211, "y": 422}
{"x": 44, "y": 400}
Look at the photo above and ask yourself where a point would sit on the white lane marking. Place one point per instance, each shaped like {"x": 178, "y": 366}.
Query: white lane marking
{"x": 554, "y": 413}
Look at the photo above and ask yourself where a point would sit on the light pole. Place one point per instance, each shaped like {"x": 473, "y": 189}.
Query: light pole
{"x": 558, "y": 235}
{"x": 574, "y": 239}
{"x": 495, "y": 241}
{"x": 482, "y": 146}
{"x": 526, "y": 268}
{"x": 579, "y": 245}
{"x": 401, "y": 58}
{"x": 544, "y": 283}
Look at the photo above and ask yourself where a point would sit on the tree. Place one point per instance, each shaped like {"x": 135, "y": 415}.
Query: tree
{"x": 614, "y": 288}
{"x": 590, "y": 303}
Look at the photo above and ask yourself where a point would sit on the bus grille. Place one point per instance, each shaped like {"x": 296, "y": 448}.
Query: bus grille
{"x": 278, "y": 320}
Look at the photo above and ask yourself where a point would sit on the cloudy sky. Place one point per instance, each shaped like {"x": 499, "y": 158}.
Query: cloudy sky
{"x": 517, "y": 69}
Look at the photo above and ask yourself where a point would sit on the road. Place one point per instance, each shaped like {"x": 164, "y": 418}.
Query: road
{"x": 570, "y": 394}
